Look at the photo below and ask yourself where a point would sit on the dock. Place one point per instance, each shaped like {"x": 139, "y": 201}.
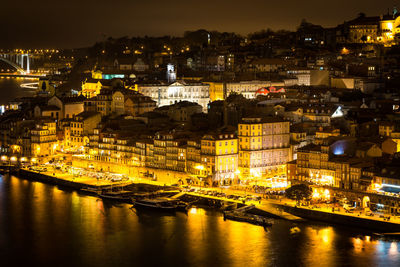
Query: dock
{"x": 277, "y": 212}
{"x": 264, "y": 209}
{"x": 348, "y": 219}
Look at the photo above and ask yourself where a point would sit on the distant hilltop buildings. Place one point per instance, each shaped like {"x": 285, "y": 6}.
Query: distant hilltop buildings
{"x": 383, "y": 29}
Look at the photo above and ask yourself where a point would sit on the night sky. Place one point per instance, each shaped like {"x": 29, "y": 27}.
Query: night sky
{"x": 77, "y": 23}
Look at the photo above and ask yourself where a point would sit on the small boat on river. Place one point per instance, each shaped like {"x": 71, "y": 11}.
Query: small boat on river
{"x": 249, "y": 218}
{"x": 121, "y": 196}
{"x": 166, "y": 204}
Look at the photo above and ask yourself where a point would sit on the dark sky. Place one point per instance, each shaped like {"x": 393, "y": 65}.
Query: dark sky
{"x": 76, "y": 23}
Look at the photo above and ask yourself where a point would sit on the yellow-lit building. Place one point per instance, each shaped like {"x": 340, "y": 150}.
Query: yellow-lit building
{"x": 375, "y": 30}
{"x": 219, "y": 156}
{"x": 337, "y": 162}
{"x": 73, "y": 136}
{"x": 396, "y": 137}
{"x": 97, "y": 74}
{"x": 217, "y": 90}
{"x": 193, "y": 157}
{"x": 264, "y": 147}
{"x": 386, "y": 128}
{"x": 44, "y": 139}
{"x": 91, "y": 88}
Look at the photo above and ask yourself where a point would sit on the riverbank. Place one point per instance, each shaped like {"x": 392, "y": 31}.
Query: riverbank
{"x": 376, "y": 223}
{"x": 269, "y": 208}
{"x": 67, "y": 180}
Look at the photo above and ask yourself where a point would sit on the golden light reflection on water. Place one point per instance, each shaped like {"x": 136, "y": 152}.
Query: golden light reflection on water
{"x": 94, "y": 230}
{"x": 241, "y": 244}
{"x": 393, "y": 250}
{"x": 320, "y": 247}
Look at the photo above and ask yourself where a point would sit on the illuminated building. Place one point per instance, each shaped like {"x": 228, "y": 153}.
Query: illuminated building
{"x": 73, "y": 138}
{"x": 44, "y": 139}
{"x": 307, "y": 76}
{"x": 193, "y": 156}
{"x": 219, "y": 155}
{"x": 97, "y": 74}
{"x": 217, "y": 90}
{"x": 396, "y": 138}
{"x": 372, "y": 30}
{"x": 249, "y": 89}
{"x": 167, "y": 94}
{"x": 68, "y": 106}
{"x": 263, "y": 146}
{"x": 91, "y": 88}
{"x": 340, "y": 162}
{"x": 171, "y": 73}
{"x": 363, "y": 30}
{"x": 386, "y": 128}
{"x": 109, "y": 102}
{"x": 138, "y": 104}
{"x": 77, "y": 129}
{"x": 176, "y": 155}
{"x": 386, "y": 180}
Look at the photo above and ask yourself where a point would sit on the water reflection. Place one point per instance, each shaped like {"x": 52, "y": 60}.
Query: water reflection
{"x": 61, "y": 228}
{"x": 10, "y": 89}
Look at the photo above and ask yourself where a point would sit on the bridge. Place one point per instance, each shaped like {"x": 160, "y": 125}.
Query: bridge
{"x": 17, "y": 61}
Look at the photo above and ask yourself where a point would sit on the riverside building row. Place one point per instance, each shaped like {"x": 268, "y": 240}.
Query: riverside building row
{"x": 219, "y": 156}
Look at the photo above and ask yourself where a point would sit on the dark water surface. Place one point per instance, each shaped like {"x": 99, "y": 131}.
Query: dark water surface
{"x": 10, "y": 88}
{"x": 41, "y": 225}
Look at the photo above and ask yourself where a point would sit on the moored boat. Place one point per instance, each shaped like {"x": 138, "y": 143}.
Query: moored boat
{"x": 116, "y": 196}
{"x": 249, "y": 218}
{"x": 161, "y": 204}
{"x": 155, "y": 203}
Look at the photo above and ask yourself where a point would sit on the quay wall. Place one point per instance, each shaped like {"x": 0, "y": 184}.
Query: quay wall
{"x": 30, "y": 175}
{"x": 336, "y": 218}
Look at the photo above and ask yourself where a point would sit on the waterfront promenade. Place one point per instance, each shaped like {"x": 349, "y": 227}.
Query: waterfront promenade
{"x": 279, "y": 208}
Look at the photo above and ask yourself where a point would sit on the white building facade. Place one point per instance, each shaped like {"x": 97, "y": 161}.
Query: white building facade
{"x": 178, "y": 91}
{"x": 248, "y": 88}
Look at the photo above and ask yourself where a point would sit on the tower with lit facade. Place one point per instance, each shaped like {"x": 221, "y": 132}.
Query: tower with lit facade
{"x": 171, "y": 73}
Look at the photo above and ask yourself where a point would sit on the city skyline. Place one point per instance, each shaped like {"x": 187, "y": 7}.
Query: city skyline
{"x": 74, "y": 24}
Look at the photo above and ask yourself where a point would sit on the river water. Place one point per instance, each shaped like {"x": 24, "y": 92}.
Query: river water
{"x": 10, "y": 88}
{"x": 41, "y": 225}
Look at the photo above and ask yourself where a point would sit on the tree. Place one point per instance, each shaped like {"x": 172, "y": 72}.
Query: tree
{"x": 299, "y": 192}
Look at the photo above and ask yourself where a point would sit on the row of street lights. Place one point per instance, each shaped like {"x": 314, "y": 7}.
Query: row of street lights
{"x": 14, "y": 159}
